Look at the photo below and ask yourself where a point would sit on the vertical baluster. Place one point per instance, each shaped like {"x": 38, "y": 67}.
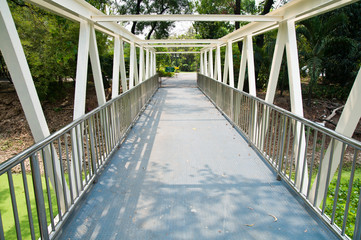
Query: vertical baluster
{"x": 350, "y": 183}
{"x": 89, "y": 153}
{"x": 63, "y": 176}
{"x": 289, "y": 127}
{"x": 68, "y": 167}
{"x": 305, "y": 157}
{"x": 298, "y": 152}
{"x": 55, "y": 181}
{"x": 335, "y": 199}
{"x": 312, "y": 161}
{"x": 82, "y": 139}
{"x": 319, "y": 169}
{"x": 27, "y": 198}
{"x": 328, "y": 176}
{"x": 274, "y": 138}
{"x": 2, "y": 235}
{"x": 39, "y": 198}
{"x": 281, "y": 155}
{"x": 80, "y": 153}
{"x": 292, "y": 149}
{"x": 48, "y": 191}
{"x": 280, "y": 122}
{"x": 14, "y": 204}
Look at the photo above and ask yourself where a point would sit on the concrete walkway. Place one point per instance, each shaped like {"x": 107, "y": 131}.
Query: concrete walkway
{"x": 185, "y": 173}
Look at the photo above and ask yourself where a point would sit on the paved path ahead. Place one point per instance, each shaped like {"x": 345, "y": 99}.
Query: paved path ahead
{"x": 185, "y": 173}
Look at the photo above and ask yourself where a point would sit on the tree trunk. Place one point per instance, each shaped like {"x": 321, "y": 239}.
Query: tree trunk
{"x": 237, "y": 11}
{"x": 137, "y": 12}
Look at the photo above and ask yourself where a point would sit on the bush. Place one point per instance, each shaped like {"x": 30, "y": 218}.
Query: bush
{"x": 163, "y": 73}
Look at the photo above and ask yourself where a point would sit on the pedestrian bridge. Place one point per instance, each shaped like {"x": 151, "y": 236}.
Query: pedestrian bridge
{"x": 185, "y": 172}
{"x": 189, "y": 157}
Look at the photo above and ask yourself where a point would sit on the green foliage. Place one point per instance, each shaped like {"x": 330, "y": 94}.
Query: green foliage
{"x": 341, "y": 203}
{"x": 156, "y": 30}
{"x": 163, "y": 73}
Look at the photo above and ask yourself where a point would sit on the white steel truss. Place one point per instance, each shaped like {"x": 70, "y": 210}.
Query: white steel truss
{"x": 91, "y": 19}
{"x": 186, "y": 17}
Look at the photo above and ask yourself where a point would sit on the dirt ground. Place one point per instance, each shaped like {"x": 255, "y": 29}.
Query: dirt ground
{"x": 15, "y": 135}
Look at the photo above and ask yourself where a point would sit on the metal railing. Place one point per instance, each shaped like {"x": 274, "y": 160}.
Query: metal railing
{"x": 322, "y": 166}
{"x": 64, "y": 165}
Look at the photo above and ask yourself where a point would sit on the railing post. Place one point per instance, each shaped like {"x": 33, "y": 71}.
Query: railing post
{"x": 39, "y": 198}
{"x": 357, "y": 230}
{"x": 281, "y": 156}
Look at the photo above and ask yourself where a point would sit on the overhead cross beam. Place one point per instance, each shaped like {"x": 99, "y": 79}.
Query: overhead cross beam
{"x": 179, "y": 45}
{"x": 177, "y": 52}
{"x": 180, "y": 41}
{"x": 186, "y": 17}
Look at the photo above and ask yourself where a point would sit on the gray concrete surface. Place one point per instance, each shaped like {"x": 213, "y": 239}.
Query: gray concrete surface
{"x": 185, "y": 173}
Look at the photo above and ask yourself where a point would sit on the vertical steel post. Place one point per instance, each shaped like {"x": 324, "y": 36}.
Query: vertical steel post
{"x": 39, "y": 198}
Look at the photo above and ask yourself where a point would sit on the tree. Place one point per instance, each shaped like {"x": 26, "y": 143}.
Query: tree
{"x": 314, "y": 35}
{"x": 156, "y": 29}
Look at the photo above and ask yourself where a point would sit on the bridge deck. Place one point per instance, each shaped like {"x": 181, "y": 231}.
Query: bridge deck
{"x": 185, "y": 173}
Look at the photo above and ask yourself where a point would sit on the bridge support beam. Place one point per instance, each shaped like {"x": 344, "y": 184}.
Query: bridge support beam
{"x": 201, "y": 66}
{"x": 141, "y": 64}
{"x": 286, "y": 38}
{"x": 131, "y": 65}
{"x": 225, "y": 70}
{"x": 205, "y": 61}
{"x": 123, "y": 73}
{"x": 210, "y": 63}
{"x": 218, "y": 67}
{"x": 116, "y": 67}
{"x": 247, "y": 59}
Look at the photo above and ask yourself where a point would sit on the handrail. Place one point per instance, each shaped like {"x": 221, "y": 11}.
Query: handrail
{"x": 11, "y": 162}
{"x": 68, "y": 161}
{"x": 309, "y": 157}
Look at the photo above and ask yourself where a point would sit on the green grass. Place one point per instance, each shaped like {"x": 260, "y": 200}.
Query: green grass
{"x": 7, "y": 210}
{"x": 9, "y": 224}
{"x": 342, "y": 198}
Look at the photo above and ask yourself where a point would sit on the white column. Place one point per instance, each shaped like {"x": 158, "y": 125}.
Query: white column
{"x": 95, "y": 62}
{"x": 81, "y": 70}
{"x": 219, "y": 63}
{"x": 141, "y": 64}
{"x": 116, "y": 66}
{"x": 296, "y": 97}
{"x": 147, "y": 63}
{"x": 247, "y": 59}
{"x": 123, "y": 73}
{"x": 205, "y": 62}
{"x": 225, "y": 72}
{"x": 201, "y": 63}
{"x": 131, "y": 65}
{"x": 155, "y": 63}
{"x": 210, "y": 62}
{"x": 347, "y": 124}
{"x": 136, "y": 79}
{"x": 250, "y": 64}
{"x": 230, "y": 63}
{"x": 13, "y": 53}
{"x": 276, "y": 62}
{"x": 243, "y": 64}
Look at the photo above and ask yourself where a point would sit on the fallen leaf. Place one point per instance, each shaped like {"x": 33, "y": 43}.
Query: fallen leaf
{"x": 305, "y": 230}
{"x": 249, "y": 225}
{"x": 194, "y": 128}
{"x": 250, "y": 208}
{"x": 274, "y": 217}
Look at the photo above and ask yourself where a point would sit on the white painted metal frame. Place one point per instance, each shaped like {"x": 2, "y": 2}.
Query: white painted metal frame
{"x": 186, "y": 17}
{"x": 87, "y": 15}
